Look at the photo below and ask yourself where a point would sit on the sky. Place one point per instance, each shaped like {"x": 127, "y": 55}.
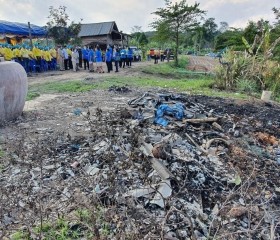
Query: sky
{"x": 130, "y": 13}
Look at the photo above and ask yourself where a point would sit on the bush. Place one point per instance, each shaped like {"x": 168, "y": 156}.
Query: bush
{"x": 247, "y": 86}
{"x": 241, "y": 71}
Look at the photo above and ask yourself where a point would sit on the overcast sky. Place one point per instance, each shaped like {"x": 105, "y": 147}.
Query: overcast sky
{"x": 129, "y": 13}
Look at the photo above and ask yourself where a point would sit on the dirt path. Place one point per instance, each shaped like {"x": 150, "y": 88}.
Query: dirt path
{"x": 196, "y": 63}
{"x": 82, "y": 74}
{"x": 202, "y": 63}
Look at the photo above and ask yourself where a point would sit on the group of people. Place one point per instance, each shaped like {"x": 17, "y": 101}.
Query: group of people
{"x": 93, "y": 56}
{"x": 41, "y": 58}
{"x": 32, "y": 59}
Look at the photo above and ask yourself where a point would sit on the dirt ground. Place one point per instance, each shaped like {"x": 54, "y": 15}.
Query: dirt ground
{"x": 253, "y": 128}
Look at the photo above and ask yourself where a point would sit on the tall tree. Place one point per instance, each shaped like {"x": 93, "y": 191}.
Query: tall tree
{"x": 58, "y": 26}
{"x": 230, "y": 38}
{"x": 138, "y": 36}
{"x": 223, "y": 27}
{"x": 176, "y": 18}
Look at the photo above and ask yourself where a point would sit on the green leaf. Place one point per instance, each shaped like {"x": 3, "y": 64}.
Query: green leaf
{"x": 237, "y": 180}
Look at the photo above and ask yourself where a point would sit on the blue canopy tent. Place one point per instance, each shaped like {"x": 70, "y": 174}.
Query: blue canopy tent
{"x": 21, "y": 29}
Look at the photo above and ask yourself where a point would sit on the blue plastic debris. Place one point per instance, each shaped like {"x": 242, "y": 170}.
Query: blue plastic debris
{"x": 77, "y": 111}
{"x": 176, "y": 111}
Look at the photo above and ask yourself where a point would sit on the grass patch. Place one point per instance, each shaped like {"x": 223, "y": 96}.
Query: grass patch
{"x": 165, "y": 76}
{"x": 61, "y": 87}
{"x": 32, "y": 95}
{"x": 2, "y": 153}
{"x": 167, "y": 69}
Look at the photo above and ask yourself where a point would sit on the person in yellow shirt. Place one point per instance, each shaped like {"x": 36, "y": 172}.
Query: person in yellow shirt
{"x": 25, "y": 58}
{"x": 53, "y": 53}
{"x": 8, "y": 53}
{"x": 70, "y": 58}
{"x": 16, "y": 53}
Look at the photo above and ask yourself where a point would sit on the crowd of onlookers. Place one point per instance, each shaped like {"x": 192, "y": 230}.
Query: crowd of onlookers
{"x": 40, "y": 59}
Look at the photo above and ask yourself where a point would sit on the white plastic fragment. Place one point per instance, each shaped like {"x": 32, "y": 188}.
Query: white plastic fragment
{"x": 164, "y": 191}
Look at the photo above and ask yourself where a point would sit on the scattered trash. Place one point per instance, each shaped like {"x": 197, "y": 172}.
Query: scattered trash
{"x": 118, "y": 89}
{"x": 77, "y": 112}
{"x": 163, "y": 166}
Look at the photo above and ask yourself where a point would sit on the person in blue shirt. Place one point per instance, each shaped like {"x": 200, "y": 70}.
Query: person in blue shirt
{"x": 129, "y": 57}
{"x": 85, "y": 57}
{"x": 117, "y": 58}
{"x": 98, "y": 59}
{"x": 91, "y": 59}
{"x": 123, "y": 57}
{"x": 108, "y": 60}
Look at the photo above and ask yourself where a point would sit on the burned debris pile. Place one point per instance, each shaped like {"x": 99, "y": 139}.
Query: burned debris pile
{"x": 166, "y": 166}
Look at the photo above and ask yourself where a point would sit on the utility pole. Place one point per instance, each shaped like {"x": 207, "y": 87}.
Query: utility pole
{"x": 121, "y": 37}
{"x": 30, "y": 37}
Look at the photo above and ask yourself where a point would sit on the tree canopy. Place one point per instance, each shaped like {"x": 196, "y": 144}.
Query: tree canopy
{"x": 59, "y": 29}
{"x": 174, "y": 19}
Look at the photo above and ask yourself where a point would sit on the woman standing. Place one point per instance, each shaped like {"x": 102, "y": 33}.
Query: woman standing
{"x": 98, "y": 56}
{"x": 75, "y": 59}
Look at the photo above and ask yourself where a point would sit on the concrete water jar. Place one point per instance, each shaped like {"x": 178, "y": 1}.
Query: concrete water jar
{"x": 13, "y": 90}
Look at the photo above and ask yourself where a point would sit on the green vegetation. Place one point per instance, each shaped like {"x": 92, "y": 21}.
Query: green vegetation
{"x": 165, "y": 76}
{"x": 79, "y": 226}
{"x": 32, "y": 95}
{"x": 253, "y": 70}
{"x": 2, "y": 153}
{"x": 60, "y": 87}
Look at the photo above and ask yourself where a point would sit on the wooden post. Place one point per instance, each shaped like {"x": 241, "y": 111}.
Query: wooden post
{"x": 30, "y": 37}
{"x": 121, "y": 37}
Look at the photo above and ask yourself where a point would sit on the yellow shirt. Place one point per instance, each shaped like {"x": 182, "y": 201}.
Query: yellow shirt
{"x": 16, "y": 52}
{"x": 8, "y": 54}
{"x": 69, "y": 52}
{"x": 24, "y": 53}
{"x": 47, "y": 56}
{"x": 53, "y": 53}
{"x": 30, "y": 54}
{"x": 37, "y": 52}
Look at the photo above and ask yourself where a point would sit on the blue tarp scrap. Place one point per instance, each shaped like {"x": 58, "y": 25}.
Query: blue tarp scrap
{"x": 21, "y": 29}
{"x": 176, "y": 111}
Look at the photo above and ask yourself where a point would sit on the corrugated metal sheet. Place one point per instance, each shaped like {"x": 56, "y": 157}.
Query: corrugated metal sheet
{"x": 95, "y": 29}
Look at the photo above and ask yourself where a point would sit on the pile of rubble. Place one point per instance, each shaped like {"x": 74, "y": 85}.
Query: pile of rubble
{"x": 164, "y": 167}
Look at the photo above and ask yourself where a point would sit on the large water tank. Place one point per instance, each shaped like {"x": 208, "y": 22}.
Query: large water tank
{"x": 13, "y": 90}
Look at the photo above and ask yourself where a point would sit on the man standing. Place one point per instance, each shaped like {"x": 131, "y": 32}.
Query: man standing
{"x": 60, "y": 58}
{"x": 91, "y": 59}
{"x": 65, "y": 57}
{"x": 85, "y": 58}
{"x": 129, "y": 57}
{"x": 108, "y": 60}
{"x": 123, "y": 58}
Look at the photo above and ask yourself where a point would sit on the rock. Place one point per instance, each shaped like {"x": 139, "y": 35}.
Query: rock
{"x": 237, "y": 211}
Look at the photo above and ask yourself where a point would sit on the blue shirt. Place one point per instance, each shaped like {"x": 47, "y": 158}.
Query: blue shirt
{"x": 85, "y": 53}
{"x": 123, "y": 53}
{"x": 108, "y": 56}
{"x": 129, "y": 53}
{"x": 91, "y": 55}
{"x": 98, "y": 56}
{"x": 117, "y": 56}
